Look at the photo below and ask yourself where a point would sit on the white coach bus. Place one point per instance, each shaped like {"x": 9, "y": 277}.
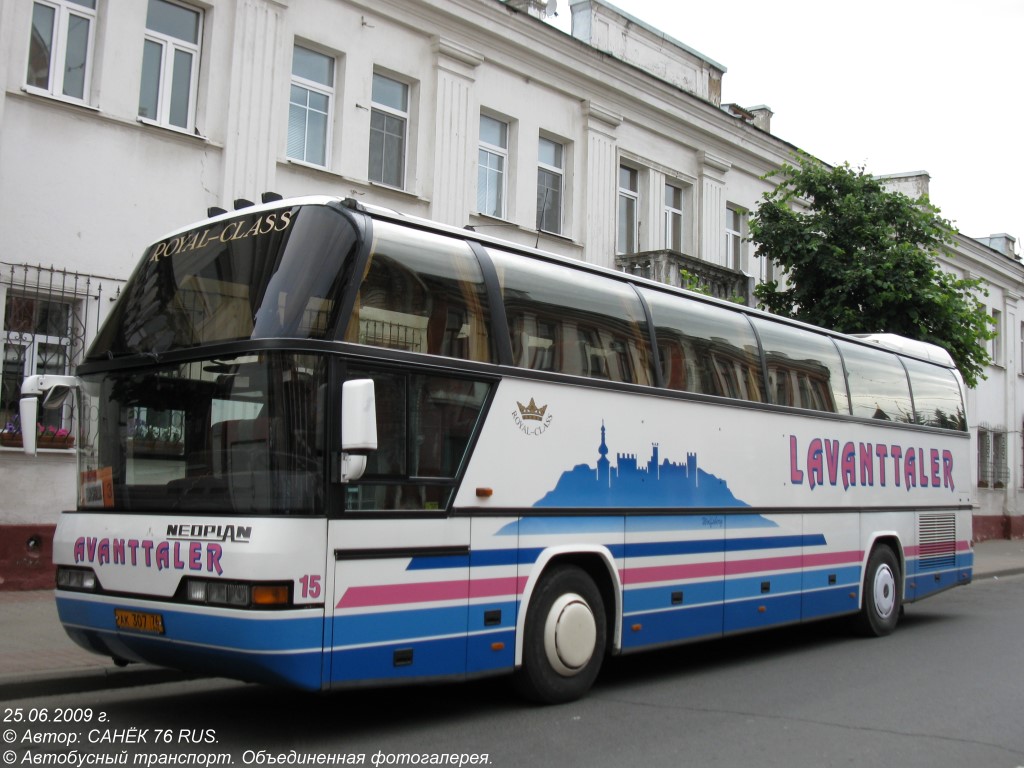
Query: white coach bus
{"x": 327, "y": 445}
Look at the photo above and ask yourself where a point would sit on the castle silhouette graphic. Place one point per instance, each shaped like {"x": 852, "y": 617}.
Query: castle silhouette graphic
{"x": 630, "y": 484}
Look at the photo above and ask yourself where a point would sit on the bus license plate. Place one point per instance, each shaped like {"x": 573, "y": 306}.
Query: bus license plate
{"x": 139, "y": 621}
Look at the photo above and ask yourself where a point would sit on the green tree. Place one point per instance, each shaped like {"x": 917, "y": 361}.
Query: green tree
{"x": 861, "y": 259}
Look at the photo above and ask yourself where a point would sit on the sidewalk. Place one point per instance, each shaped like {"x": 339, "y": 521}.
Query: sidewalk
{"x": 37, "y": 658}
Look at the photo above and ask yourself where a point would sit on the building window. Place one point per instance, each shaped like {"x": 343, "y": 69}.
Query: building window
{"x": 629, "y": 198}
{"x": 309, "y": 106}
{"x": 550, "y": 183}
{"x": 996, "y": 349}
{"x": 1000, "y": 466}
{"x": 734, "y": 238}
{"x": 993, "y": 468}
{"x": 491, "y": 181}
{"x": 673, "y": 218}
{"x": 60, "y": 50}
{"x": 984, "y": 459}
{"x": 389, "y": 121}
{"x": 1020, "y": 357}
{"x": 170, "y": 65}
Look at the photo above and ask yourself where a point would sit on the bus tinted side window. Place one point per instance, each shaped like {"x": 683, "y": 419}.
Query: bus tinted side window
{"x": 425, "y": 424}
{"x": 571, "y": 321}
{"x": 878, "y": 383}
{"x": 937, "y": 398}
{"x": 705, "y": 349}
{"x": 422, "y": 292}
{"x": 804, "y": 369}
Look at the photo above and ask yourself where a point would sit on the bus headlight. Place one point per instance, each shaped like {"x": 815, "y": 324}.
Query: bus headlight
{"x": 238, "y": 595}
{"x": 81, "y": 579}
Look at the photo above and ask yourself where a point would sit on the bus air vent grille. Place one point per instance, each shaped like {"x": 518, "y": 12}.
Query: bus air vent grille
{"x": 936, "y": 536}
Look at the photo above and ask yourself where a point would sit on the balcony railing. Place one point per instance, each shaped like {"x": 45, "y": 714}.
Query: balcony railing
{"x": 667, "y": 267}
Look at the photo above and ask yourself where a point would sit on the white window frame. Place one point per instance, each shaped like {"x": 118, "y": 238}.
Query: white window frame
{"x": 63, "y": 11}
{"x": 404, "y": 117}
{"x": 31, "y": 341}
{"x": 997, "y": 341}
{"x": 558, "y": 171}
{"x": 675, "y": 218}
{"x": 169, "y": 45}
{"x": 1020, "y": 356}
{"x": 324, "y": 89}
{"x": 984, "y": 458}
{"x": 734, "y": 225}
{"x": 628, "y": 240}
{"x": 486, "y": 171}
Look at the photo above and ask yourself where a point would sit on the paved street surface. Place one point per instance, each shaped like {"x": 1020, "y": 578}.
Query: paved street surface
{"x": 945, "y": 690}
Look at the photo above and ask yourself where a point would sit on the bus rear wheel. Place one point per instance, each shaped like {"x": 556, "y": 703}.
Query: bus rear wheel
{"x": 565, "y": 637}
{"x": 883, "y": 594}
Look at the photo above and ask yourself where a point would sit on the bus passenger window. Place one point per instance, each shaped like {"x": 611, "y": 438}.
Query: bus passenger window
{"x": 704, "y": 348}
{"x": 804, "y": 368}
{"x": 572, "y": 321}
{"x": 937, "y": 398}
{"x": 878, "y": 383}
{"x": 422, "y": 292}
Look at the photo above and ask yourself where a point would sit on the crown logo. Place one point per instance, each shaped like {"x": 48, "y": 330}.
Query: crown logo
{"x": 531, "y": 411}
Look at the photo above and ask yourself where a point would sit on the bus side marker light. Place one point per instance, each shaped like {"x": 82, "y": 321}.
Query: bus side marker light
{"x": 497, "y": 646}
{"x": 484, "y": 493}
{"x": 270, "y": 595}
{"x": 762, "y": 609}
{"x": 637, "y": 627}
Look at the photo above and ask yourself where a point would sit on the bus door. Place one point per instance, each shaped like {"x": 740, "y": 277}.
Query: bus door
{"x": 401, "y": 562}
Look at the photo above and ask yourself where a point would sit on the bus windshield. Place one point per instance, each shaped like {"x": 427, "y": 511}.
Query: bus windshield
{"x": 266, "y": 274}
{"x": 238, "y": 435}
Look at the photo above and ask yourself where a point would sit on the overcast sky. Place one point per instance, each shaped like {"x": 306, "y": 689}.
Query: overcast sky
{"x": 889, "y": 85}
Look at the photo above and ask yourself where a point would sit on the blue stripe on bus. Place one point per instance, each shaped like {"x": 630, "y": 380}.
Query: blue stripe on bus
{"x": 481, "y": 558}
{"x": 831, "y": 602}
{"x": 762, "y": 612}
{"x": 275, "y": 651}
{"x": 388, "y": 626}
{"x": 665, "y": 627}
{"x": 441, "y": 657}
{"x": 819, "y": 579}
{"x": 254, "y": 632}
{"x": 660, "y": 598}
{"x": 396, "y": 626}
{"x": 491, "y": 652}
{"x": 750, "y": 586}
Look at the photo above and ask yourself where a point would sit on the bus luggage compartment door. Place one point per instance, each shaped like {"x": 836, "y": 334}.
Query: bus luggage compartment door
{"x": 400, "y": 609}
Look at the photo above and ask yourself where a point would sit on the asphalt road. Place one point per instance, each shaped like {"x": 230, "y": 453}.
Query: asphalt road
{"x": 947, "y": 689}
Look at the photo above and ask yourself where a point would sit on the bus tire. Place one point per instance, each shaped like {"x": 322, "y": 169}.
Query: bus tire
{"x": 565, "y": 637}
{"x": 883, "y": 594}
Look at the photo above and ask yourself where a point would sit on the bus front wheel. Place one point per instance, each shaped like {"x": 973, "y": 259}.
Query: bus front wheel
{"x": 565, "y": 637}
{"x": 883, "y": 594}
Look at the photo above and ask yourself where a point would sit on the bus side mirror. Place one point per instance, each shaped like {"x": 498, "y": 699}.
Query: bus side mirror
{"x": 54, "y": 389}
{"x": 358, "y": 427}
{"x": 28, "y": 411}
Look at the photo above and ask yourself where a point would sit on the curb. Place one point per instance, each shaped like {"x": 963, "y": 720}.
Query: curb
{"x": 61, "y": 682}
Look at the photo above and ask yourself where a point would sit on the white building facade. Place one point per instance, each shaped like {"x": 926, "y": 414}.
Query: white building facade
{"x": 123, "y": 119}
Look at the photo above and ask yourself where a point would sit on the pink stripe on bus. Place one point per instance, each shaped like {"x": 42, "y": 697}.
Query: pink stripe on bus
{"x": 720, "y": 568}
{"x": 429, "y": 592}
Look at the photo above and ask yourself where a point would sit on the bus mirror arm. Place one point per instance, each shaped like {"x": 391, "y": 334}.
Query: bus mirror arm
{"x": 54, "y": 391}
{"x": 358, "y": 427}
